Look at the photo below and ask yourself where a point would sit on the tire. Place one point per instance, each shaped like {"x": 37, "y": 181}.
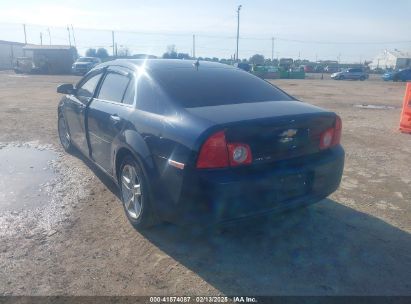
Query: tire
{"x": 362, "y": 78}
{"x": 341, "y": 77}
{"x": 135, "y": 194}
{"x": 64, "y": 134}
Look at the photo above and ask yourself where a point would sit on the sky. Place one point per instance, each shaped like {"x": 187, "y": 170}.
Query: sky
{"x": 349, "y": 30}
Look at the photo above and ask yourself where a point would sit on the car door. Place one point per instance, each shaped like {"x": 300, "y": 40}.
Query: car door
{"x": 75, "y": 108}
{"x": 108, "y": 113}
{"x": 349, "y": 74}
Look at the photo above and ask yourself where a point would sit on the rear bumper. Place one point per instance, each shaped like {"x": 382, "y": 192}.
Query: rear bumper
{"x": 210, "y": 196}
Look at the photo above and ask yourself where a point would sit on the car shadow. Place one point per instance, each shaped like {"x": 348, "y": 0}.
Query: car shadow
{"x": 100, "y": 174}
{"x": 325, "y": 249}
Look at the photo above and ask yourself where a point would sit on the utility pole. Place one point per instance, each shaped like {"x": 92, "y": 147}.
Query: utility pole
{"x": 68, "y": 31}
{"x": 41, "y": 38}
{"x": 74, "y": 38}
{"x": 194, "y": 46}
{"x": 48, "y": 30}
{"x": 25, "y": 35}
{"x": 272, "y": 49}
{"x": 112, "y": 38}
{"x": 238, "y": 28}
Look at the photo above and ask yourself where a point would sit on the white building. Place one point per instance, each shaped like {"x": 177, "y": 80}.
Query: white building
{"x": 9, "y": 51}
{"x": 394, "y": 59}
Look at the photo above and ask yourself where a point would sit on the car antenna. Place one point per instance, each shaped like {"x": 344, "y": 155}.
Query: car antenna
{"x": 197, "y": 64}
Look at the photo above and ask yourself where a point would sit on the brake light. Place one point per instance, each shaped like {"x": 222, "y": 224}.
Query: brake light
{"x": 331, "y": 137}
{"x": 213, "y": 153}
{"x": 217, "y": 153}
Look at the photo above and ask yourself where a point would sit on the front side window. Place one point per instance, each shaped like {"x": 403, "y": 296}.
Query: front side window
{"x": 86, "y": 90}
{"x": 114, "y": 86}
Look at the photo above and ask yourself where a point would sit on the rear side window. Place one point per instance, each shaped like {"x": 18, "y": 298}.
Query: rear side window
{"x": 88, "y": 87}
{"x": 114, "y": 86}
{"x": 190, "y": 87}
{"x": 149, "y": 96}
{"x": 130, "y": 93}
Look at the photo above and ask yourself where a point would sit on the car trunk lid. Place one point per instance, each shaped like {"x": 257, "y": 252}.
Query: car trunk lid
{"x": 274, "y": 130}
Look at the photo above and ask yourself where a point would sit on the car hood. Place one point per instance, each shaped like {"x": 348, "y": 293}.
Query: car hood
{"x": 250, "y": 111}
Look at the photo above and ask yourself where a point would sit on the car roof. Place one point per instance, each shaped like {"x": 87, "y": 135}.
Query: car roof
{"x": 159, "y": 64}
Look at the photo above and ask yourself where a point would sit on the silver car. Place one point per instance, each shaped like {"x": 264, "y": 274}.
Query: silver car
{"x": 352, "y": 73}
{"x": 84, "y": 64}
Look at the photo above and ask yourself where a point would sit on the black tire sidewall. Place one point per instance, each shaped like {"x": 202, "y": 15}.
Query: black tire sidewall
{"x": 69, "y": 148}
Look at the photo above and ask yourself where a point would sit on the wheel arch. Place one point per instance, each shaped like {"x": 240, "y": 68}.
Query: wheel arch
{"x": 134, "y": 145}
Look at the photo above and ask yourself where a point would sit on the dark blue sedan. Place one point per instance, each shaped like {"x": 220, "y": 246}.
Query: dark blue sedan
{"x": 402, "y": 75}
{"x": 200, "y": 142}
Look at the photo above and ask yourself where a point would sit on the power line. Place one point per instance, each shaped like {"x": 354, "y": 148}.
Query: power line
{"x": 175, "y": 34}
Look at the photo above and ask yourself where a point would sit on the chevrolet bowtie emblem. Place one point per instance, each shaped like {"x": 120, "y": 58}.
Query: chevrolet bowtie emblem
{"x": 289, "y": 133}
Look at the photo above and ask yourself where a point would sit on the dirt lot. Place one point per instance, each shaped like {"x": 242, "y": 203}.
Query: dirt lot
{"x": 79, "y": 242}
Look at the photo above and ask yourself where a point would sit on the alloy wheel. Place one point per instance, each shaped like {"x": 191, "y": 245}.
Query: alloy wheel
{"x": 63, "y": 133}
{"x": 131, "y": 191}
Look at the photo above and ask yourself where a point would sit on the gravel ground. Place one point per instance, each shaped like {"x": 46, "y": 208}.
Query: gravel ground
{"x": 357, "y": 242}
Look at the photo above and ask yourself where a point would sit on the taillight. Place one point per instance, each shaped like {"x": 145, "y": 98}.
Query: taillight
{"x": 326, "y": 139}
{"x": 214, "y": 153}
{"x": 217, "y": 153}
{"x": 331, "y": 137}
{"x": 239, "y": 154}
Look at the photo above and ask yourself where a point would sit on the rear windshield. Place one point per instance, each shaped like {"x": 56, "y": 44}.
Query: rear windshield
{"x": 191, "y": 88}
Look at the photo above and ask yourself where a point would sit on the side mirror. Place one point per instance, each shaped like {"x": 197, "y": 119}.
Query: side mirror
{"x": 66, "y": 88}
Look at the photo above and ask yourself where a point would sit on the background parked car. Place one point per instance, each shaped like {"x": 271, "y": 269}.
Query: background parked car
{"x": 402, "y": 75}
{"x": 307, "y": 68}
{"x": 84, "y": 64}
{"x": 244, "y": 66}
{"x": 352, "y": 73}
{"x": 318, "y": 69}
{"x": 331, "y": 69}
{"x": 23, "y": 65}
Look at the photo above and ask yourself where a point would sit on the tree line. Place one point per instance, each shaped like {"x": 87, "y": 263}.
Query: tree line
{"x": 171, "y": 53}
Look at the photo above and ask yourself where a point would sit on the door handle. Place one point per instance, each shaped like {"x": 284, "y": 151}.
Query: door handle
{"x": 115, "y": 118}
